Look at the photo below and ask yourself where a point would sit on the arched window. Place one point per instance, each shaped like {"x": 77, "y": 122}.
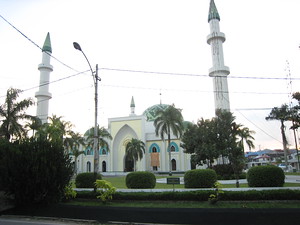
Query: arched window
{"x": 103, "y": 151}
{"x": 154, "y": 148}
{"x": 88, "y": 166}
{"x": 89, "y": 151}
{"x": 172, "y": 148}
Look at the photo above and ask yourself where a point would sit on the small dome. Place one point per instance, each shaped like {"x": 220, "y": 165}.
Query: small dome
{"x": 151, "y": 112}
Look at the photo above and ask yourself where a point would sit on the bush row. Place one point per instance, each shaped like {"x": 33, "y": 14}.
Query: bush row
{"x": 252, "y": 195}
{"x": 259, "y": 176}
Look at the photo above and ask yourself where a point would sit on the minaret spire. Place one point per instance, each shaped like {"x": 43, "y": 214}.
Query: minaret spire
{"x": 132, "y": 106}
{"x": 213, "y": 12}
{"x": 219, "y": 71}
{"x": 43, "y": 95}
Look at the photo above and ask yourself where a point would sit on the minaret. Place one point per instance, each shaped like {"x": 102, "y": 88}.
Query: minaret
{"x": 219, "y": 71}
{"x": 43, "y": 95}
{"x": 132, "y": 107}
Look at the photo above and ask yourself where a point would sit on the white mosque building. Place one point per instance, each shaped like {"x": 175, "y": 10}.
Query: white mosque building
{"x": 123, "y": 129}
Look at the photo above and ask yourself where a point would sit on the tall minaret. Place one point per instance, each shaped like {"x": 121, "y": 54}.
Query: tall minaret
{"x": 219, "y": 71}
{"x": 43, "y": 95}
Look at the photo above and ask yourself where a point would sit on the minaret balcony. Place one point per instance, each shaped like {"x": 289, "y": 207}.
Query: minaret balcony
{"x": 219, "y": 71}
{"x": 216, "y": 35}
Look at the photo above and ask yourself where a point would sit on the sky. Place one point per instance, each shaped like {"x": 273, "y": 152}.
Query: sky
{"x": 155, "y": 51}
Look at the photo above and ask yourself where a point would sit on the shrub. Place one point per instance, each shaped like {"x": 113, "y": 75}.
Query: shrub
{"x": 265, "y": 176}
{"x": 34, "y": 171}
{"x": 140, "y": 179}
{"x": 201, "y": 195}
{"x": 107, "y": 190}
{"x": 224, "y": 171}
{"x": 200, "y": 178}
{"x": 86, "y": 180}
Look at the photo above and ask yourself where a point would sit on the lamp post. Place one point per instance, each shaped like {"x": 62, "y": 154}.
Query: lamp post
{"x": 95, "y": 79}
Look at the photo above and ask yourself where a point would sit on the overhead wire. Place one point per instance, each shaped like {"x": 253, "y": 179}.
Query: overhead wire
{"x": 155, "y": 73}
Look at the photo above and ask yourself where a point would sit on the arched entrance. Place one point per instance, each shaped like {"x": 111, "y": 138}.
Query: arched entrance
{"x": 173, "y": 162}
{"x": 103, "y": 166}
{"x": 88, "y": 166}
{"x": 129, "y": 164}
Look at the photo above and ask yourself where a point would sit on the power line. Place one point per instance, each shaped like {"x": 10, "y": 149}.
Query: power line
{"x": 193, "y": 75}
{"x": 37, "y": 44}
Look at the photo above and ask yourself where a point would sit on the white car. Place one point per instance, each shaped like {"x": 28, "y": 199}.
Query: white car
{"x": 288, "y": 169}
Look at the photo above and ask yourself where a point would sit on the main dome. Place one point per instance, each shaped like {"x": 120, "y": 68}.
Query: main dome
{"x": 151, "y": 112}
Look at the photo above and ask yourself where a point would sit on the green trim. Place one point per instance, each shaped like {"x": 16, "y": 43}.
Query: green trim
{"x": 47, "y": 44}
{"x": 213, "y": 12}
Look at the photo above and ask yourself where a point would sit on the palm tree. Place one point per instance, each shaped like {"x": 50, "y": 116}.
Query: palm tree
{"x": 169, "y": 121}
{"x": 75, "y": 141}
{"x": 135, "y": 150}
{"x": 56, "y": 131}
{"x": 282, "y": 114}
{"x": 34, "y": 124}
{"x": 103, "y": 135}
{"x": 11, "y": 112}
{"x": 246, "y": 136}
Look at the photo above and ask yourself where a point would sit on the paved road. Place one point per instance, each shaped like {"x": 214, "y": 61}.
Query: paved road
{"x": 15, "y": 220}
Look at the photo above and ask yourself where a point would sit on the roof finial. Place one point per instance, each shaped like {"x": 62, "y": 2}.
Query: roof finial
{"x": 160, "y": 97}
{"x": 213, "y": 12}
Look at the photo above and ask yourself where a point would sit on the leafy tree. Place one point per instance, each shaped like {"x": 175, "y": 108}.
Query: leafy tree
{"x": 218, "y": 137}
{"x": 199, "y": 140}
{"x": 11, "y": 112}
{"x": 282, "y": 114}
{"x": 169, "y": 121}
{"x": 135, "y": 150}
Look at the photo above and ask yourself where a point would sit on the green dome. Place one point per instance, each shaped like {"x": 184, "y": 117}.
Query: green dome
{"x": 151, "y": 112}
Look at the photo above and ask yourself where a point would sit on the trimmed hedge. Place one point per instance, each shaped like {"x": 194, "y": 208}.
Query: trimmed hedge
{"x": 202, "y": 195}
{"x": 200, "y": 178}
{"x": 86, "y": 180}
{"x": 265, "y": 176}
{"x": 34, "y": 171}
{"x": 140, "y": 179}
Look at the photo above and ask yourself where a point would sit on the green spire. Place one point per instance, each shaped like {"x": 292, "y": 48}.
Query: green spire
{"x": 132, "y": 102}
{"x": 213, "y": 12}
{"x": 47, "y": 44}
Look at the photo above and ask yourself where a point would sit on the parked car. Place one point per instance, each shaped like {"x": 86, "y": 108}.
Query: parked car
{"x": 289, "y": 168}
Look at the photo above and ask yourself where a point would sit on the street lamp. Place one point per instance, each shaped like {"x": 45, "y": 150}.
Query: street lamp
{"x": 96, "y": 79}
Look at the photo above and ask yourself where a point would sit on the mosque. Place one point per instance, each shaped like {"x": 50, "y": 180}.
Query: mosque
{"x": 123, "y": 129}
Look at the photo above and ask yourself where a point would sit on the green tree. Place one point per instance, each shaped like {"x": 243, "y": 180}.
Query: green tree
{"x": 11, "y": 112}
{"x": 282, "y": 114}
{"x": 135, "y": 149}
{"x": 169, "y": 121}
{"x": 199, "y": 140}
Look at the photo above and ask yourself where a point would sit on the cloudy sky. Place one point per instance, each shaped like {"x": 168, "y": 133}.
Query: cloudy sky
{"x": 154, "y": 50}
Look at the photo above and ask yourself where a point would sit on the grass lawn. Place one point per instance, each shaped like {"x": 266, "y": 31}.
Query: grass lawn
{"x": 189, "y": 204}
{"x": 119, "y": 182}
